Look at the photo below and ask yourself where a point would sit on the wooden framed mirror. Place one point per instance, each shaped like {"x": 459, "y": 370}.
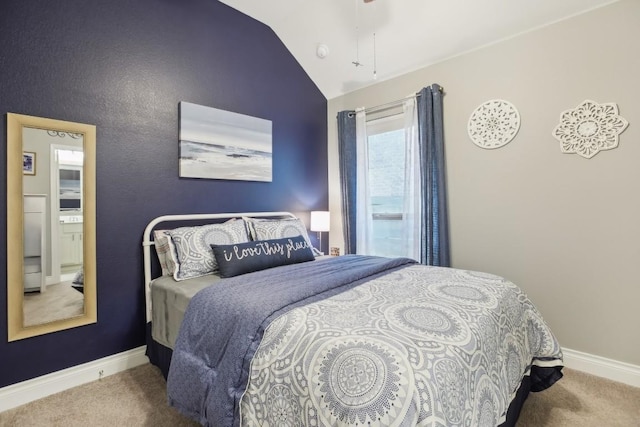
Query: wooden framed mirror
{"x": 51, "y": 236}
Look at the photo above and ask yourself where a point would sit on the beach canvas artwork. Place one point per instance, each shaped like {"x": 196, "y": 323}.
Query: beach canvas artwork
{"x": 218, "y": 144}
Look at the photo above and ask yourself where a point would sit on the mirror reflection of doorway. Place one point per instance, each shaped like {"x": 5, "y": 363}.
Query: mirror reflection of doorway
{"x": 65, "y": 281}
{"x": 69, "y": 213}
{"x": 66, "y": 214}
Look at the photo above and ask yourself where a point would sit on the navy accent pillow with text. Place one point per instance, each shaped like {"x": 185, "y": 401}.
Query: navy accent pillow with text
{"x": 258, "y": 255}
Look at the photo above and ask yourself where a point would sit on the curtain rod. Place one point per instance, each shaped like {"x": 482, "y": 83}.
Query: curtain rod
{"x": 388, "y": 105}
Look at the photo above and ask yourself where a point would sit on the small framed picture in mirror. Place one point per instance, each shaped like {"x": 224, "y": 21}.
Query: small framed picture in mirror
{"x": 28, "y": 163}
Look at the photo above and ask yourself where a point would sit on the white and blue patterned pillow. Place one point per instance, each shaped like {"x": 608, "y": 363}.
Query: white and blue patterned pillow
{"x": 193, "y": 246}
{"x": 267, "y": 229}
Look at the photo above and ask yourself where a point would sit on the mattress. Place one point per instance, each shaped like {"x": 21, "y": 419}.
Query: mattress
{"x": 170, "y": 300}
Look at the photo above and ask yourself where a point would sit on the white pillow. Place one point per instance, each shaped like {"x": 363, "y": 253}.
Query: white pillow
{"x": 193, "y": 246}
{"x": 166, "y": 252}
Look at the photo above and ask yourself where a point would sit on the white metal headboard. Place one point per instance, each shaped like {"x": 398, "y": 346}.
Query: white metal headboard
{"x": 147, "y": 240}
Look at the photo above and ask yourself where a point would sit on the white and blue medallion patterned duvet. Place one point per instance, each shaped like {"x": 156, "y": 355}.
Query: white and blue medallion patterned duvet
{"x": 416, "y": 345}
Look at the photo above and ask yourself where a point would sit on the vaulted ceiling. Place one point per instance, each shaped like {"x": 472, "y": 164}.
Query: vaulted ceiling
{"x": 409, "y": 34}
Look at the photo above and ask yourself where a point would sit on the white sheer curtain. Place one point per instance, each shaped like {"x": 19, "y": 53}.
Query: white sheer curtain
{"x": 411, "y": 185}
{"x": 364, "y": 217}
{"x": 412, "y": 205}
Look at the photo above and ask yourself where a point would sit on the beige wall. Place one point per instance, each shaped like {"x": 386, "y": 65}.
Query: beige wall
{"x": 564, "y": 228}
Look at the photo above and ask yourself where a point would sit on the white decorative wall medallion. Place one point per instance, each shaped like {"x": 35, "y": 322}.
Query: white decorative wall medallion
{"x": 493, "y": 124}
{"x": 590, "y": 128}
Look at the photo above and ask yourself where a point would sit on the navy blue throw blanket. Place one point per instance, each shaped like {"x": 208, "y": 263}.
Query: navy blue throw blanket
{"x": 224, "y": 323}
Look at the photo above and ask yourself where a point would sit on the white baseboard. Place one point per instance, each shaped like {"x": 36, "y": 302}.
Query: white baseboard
{"x": 37, "y": 388}
{"x": 602, "y": 367}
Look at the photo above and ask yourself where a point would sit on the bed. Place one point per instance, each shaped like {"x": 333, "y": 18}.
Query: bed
{"x": 251, "y": 327}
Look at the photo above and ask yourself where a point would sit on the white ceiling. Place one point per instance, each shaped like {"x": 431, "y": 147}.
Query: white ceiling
{"x": 410, "y": 34}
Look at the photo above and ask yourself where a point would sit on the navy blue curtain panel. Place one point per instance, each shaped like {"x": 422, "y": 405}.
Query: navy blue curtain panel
{"x": 434, "y": 230}
{"x": 348, "y": 163}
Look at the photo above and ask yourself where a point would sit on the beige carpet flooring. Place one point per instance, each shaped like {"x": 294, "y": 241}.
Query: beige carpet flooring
{"x": 137, "y": 398}
{"x": 59, "y": 301}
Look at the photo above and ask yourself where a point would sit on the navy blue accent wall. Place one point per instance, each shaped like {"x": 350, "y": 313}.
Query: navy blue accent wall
{"x": 124, "y": 66}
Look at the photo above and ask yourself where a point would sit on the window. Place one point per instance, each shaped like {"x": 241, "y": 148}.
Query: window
{"x": 386, "y": 152}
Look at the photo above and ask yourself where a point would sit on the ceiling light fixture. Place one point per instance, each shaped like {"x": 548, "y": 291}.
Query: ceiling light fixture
{"x": 357, "y": 62}
{"x": 375, "y": 71}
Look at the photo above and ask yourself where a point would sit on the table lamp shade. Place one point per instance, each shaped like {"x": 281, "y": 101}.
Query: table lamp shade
{"x": 319, "y": 221}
